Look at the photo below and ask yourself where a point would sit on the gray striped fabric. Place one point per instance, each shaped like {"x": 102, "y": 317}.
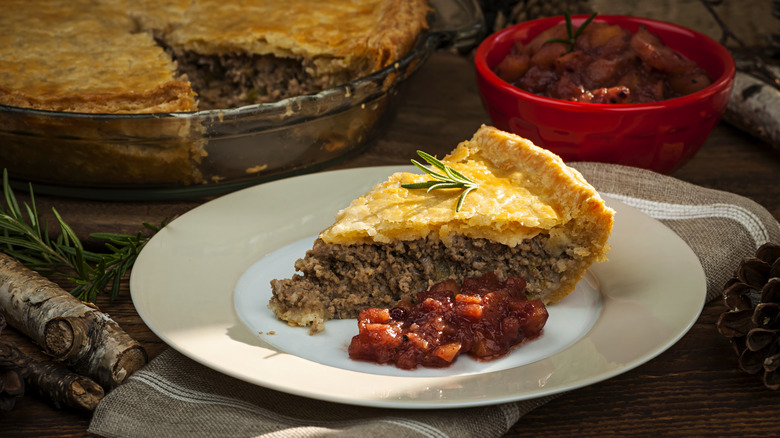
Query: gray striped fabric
{"x": 174, "y": 396}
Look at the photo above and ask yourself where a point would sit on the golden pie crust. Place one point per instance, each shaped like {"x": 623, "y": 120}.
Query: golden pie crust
{"x": 341, "y": 36}
{"x": 101, "y": 56}
{"x": 524, "y": 190}
{"x": 83, "y": 56}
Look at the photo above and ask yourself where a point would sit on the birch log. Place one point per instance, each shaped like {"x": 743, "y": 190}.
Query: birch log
{"x": 71, "y": 331}
{"x": 54, "y": 383}
{"x": 754, "y": 107}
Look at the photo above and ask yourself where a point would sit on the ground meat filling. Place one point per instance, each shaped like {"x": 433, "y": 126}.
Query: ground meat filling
{"x": 338, "y": 281}
{"x": 238, "y": 79}
{"x": 234, "y": 80}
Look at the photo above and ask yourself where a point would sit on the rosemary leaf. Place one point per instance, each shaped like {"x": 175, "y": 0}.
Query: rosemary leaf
{"x": 463, "y": 196}
{"x": 449, "y": 179}
{"x": 10, "y": 200}
{"x": 571, "y": 32}
{"x": 444, "y": 185}
{"x": 18, "y": 242}
{"x": 428, "y": 171}
{"x": 420, "y": 185}
{"x": 433, "y": 161}
{"x": 567, "y": 17}
{"x": 583, "y": 26}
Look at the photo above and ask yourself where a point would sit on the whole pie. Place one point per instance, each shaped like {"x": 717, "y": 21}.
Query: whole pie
{"x": 531, "y": 216}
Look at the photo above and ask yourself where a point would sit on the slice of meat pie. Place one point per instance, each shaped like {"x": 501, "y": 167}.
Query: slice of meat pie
{"x": 531, "y": 216}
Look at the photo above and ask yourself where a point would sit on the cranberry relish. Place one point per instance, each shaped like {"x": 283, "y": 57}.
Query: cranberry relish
{"x": 484, "y": 318}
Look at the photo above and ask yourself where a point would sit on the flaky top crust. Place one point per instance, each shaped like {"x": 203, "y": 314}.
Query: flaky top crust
{"x": 333, "y": 35}
{"x": 523, "y": 190}
{"x": 101, "y": 56}
{"x": 83, "y": 56}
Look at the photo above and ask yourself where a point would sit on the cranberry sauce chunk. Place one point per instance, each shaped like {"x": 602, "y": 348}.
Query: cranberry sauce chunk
{"x": 484, "y": 318}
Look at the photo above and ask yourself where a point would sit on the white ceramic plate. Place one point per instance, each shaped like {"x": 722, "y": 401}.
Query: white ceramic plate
{"x": 201, "y": 285}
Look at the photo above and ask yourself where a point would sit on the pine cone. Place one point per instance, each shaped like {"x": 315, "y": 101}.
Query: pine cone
{"x": 752, "y": 322}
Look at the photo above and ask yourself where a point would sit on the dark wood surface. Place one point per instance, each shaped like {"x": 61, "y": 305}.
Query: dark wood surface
{"x": 693, "y": 389}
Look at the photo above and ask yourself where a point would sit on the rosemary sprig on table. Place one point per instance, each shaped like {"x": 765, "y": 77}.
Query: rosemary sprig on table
{"x": 24, "y": 237}
{"x": 448, "y": 179}
{"x": 571, "y": 32}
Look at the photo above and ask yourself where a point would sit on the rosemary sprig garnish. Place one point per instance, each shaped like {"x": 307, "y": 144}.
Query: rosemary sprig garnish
{"x": 571, "y": 32}
{"x": 24, "y": 237}
{"x": 448, "y": 179}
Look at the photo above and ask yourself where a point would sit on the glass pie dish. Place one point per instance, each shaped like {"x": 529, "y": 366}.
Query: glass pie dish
{"x": 211, "y": 152}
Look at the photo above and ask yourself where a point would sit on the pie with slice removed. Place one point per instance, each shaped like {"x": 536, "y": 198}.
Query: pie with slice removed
{"x": 153, "y": 56}
{"x": 531, "y": 216}
{"x": 174, "y": 56}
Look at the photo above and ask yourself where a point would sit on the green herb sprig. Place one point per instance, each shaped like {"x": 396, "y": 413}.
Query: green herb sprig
{"x": 448, "y": 179}
{"x": 24, "y": 237}
{"x": 571, "y": 32}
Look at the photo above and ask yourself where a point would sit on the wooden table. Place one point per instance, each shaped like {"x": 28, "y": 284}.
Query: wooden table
{"x": 693, "y": 389}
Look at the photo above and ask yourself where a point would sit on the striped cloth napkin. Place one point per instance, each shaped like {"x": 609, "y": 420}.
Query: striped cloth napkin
{"x": 173, "y": 396}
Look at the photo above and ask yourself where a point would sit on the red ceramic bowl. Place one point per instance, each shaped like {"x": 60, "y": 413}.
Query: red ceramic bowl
{"x": 659, "y": 136}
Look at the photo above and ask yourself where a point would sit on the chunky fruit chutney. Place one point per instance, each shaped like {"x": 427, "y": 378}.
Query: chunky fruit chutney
{"x": 606, "y": 64}
{"x": 484, "y": 318}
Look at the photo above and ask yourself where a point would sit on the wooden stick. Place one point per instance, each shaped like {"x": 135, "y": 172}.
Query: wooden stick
{"x": 71, "y": 331}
